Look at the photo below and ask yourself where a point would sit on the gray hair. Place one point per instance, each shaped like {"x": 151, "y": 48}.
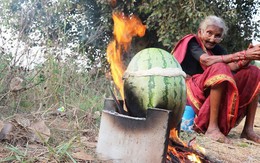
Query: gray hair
{"x": 214, "y": 20}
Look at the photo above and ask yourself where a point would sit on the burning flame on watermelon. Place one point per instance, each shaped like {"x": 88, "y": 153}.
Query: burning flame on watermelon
{"x": 125, "y": 28}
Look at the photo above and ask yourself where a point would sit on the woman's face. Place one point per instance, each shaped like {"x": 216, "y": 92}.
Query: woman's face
{"x": 211, "y": 36}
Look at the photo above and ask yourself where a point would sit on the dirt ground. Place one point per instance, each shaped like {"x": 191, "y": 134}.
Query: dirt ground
{"x": 82, "y": 148}
{"x": 241, "y": 150}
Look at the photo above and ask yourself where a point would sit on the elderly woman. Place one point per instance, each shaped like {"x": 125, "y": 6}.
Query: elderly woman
{"x": 222, "y": 88}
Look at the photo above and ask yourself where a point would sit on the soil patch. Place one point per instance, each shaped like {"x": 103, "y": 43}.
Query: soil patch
{"x": 74, "y": 137}
{"x": 241, "y": 150}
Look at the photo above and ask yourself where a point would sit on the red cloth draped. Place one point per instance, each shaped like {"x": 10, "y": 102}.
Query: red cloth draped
{"x": 181, "y": 47}
{"x": 241, "y": 89}
{"x": 179, "y": 51}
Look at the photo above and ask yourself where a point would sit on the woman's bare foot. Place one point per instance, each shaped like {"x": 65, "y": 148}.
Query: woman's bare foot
{"x": 250, "y": 135}
{"x": 216, "y": 135}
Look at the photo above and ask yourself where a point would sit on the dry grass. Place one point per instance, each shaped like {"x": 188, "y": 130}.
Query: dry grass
{"x": 74, "y": 132}
{"x": 42, "y": 92}
{"x": 74, "y": 136}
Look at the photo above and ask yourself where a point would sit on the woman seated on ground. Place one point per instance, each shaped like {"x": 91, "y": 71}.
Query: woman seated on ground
{"x": 222, "y": 88}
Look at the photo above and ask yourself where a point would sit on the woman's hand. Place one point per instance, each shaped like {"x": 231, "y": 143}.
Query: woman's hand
{"x": 253, "y": 52}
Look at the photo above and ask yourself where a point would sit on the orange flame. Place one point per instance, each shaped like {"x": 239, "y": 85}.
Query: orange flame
{"x": 182, "y": 156}
{"x": 125, "y": 28}
{"x": 194, "y": 158}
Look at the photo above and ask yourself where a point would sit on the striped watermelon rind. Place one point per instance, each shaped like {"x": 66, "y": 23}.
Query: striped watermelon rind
{"x": 154, "y": 91}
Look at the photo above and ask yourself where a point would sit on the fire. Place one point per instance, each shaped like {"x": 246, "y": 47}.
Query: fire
{"x": 125, "y": 28}
{"x": 180, "y": 151}
{"x": 194, "y": 158}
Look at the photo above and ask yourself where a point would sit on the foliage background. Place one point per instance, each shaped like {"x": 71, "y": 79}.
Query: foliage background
{"x": 86, "y": 26}
{"x": 168, "y": 21}
{"x": 58, "y": 48}
{"x": 55, "y": 51}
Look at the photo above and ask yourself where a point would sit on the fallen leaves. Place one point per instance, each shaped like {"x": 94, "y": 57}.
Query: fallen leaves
{"x": 49, "y": 136}
{"x": 21, "y": 130}
{"x": 82, "y": 156}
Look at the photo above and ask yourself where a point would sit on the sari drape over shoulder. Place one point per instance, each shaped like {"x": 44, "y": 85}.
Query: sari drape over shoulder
{"x": 241, "y": 88}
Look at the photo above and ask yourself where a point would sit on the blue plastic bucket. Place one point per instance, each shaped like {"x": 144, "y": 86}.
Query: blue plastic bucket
{"x": 187, "y": 119}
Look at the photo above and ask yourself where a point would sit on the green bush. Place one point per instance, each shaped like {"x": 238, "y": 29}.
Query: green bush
{"x": 52, "y": 84}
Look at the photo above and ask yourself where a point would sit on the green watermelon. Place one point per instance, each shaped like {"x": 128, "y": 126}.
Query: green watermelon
{"x": 154, "y": 79}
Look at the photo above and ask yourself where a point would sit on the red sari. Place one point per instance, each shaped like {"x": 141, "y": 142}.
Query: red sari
{"x": 241, "y": 89}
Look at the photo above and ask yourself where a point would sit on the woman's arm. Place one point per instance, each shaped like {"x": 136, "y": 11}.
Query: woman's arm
{"x": 236, "y": 60}
{"x": 235, "y": 66}
{"x": 208, "y": 60}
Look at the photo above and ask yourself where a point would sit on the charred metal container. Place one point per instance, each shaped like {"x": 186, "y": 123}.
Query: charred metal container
{"x": 124, "y": 138}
